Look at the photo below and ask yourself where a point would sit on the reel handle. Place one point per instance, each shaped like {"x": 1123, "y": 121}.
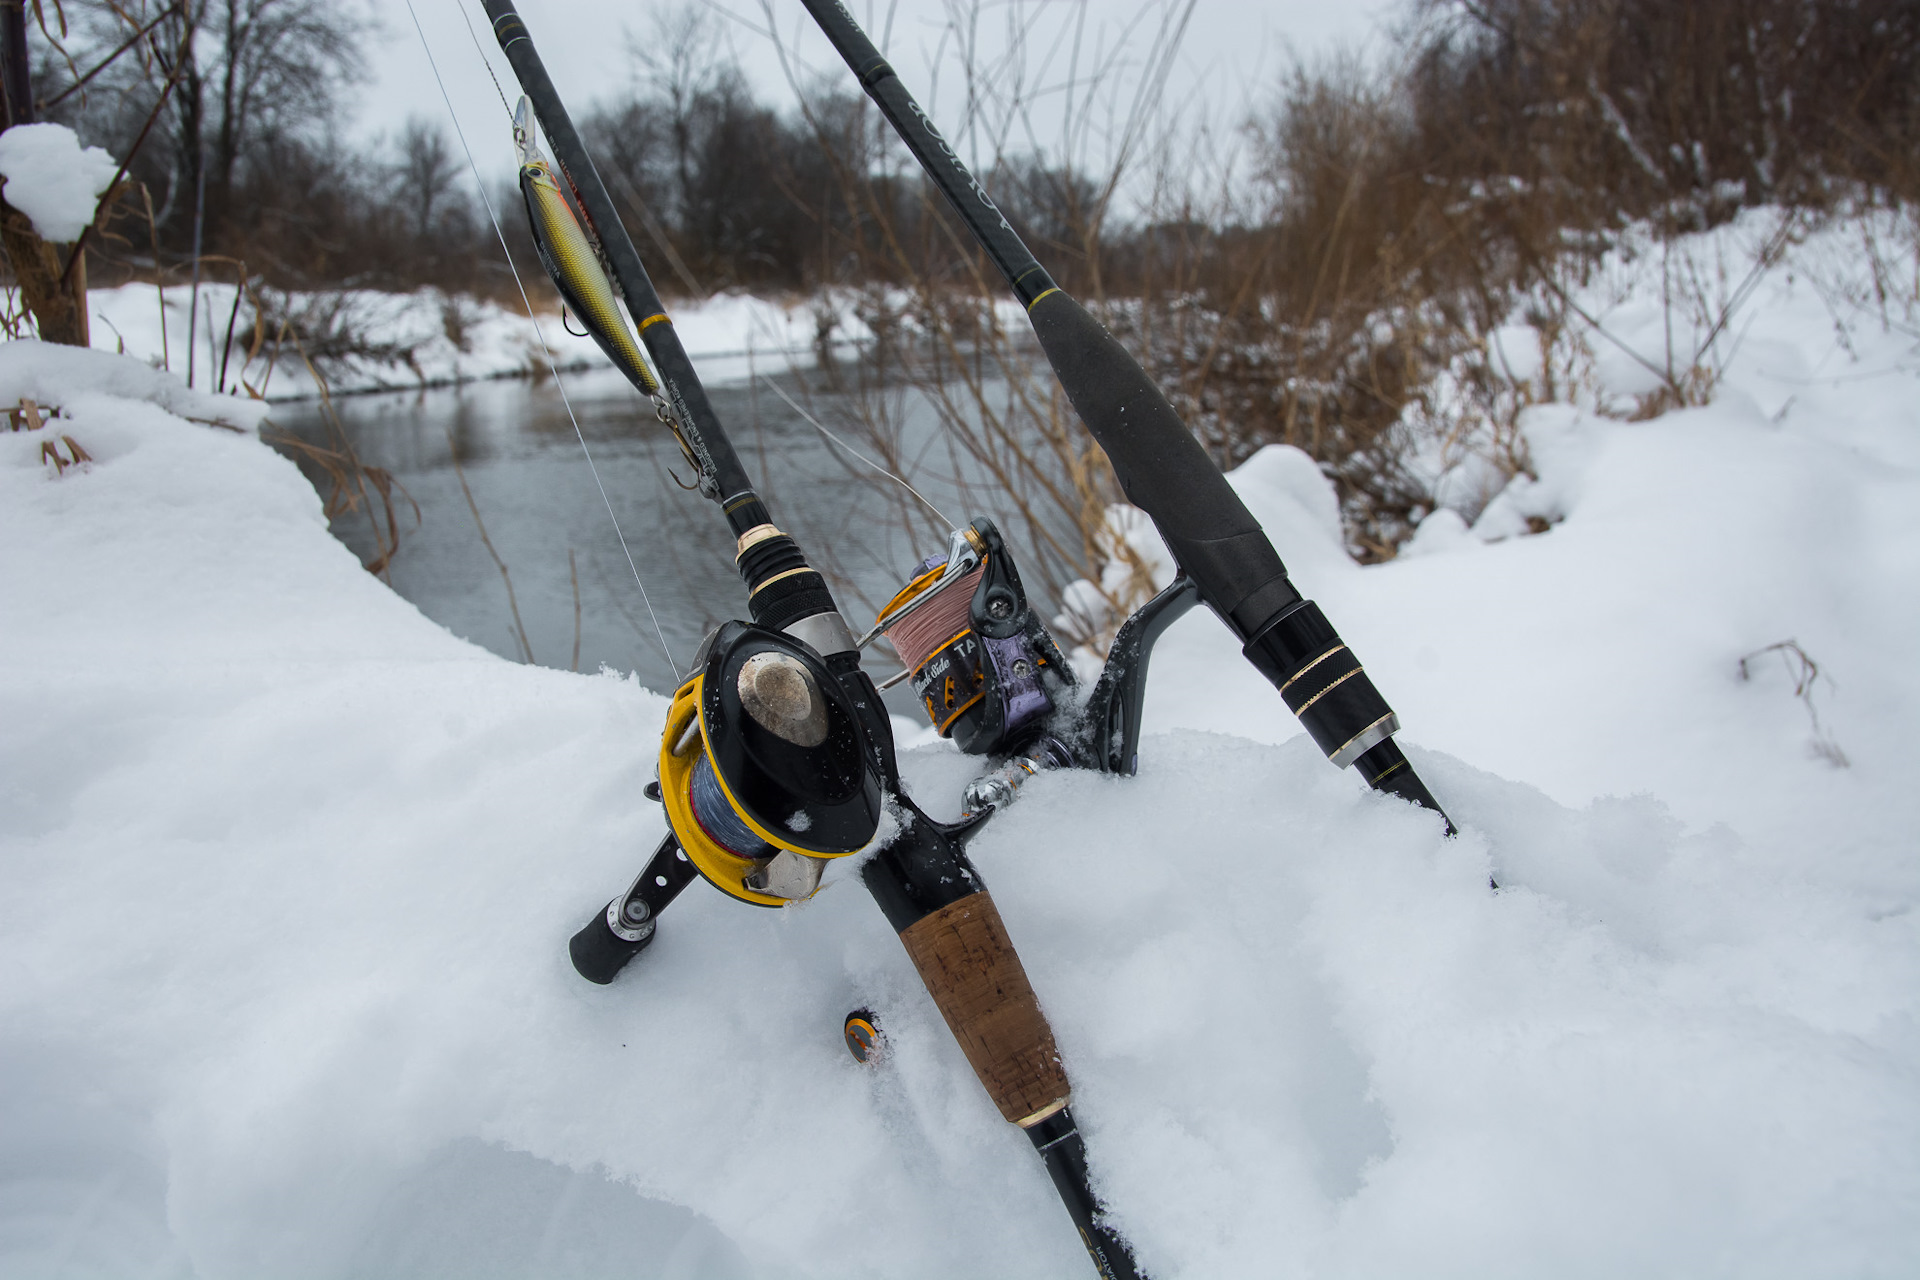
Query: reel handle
{"x": 606, "y": 944}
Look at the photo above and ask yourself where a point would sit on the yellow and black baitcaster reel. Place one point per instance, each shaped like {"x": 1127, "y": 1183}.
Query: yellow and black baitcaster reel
{"x": 764, "y": 767}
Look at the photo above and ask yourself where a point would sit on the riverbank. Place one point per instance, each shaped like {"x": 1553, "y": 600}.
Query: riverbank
{"x": 363, "y": 340}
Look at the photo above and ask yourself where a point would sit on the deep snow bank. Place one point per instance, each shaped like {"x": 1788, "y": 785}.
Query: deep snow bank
{"x": 290, "y": 873}
{"x": 1603, "y": 657}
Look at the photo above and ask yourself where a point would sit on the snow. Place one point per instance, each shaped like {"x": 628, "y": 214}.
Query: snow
{"x": 425, "y": 338}
{"x": 52, "y": 180}
{"x": 1517, "y": 353}
{"x": 290, "y": 871}
{"x": 75, "y": 378}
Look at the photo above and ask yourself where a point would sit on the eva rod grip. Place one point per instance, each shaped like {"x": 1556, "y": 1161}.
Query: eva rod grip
{"x": 975, "y": 977}
{"x": 1163, "y": 469}
{"x": 682, "y": 384}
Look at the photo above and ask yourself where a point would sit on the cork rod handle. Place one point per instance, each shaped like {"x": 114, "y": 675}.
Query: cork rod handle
{"x": 975, "y": 977}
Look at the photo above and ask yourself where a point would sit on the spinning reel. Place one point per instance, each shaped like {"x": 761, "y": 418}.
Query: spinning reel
{"x": 985, "y": 669}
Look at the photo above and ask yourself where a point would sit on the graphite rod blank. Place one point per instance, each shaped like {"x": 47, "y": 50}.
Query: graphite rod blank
{"x": 682, "y": 384}
{"x": 1161, "y": 467}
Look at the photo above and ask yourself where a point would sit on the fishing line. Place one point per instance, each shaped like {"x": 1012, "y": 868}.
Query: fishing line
{"x": 552, "y": 366}
{"x": 775, "y": 387}
{"x": 924, "y": 632}
{"x": 475, "y": 37}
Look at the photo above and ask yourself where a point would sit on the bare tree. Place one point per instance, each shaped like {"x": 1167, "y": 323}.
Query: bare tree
{"x": 247, "y": 73}
{"x": 427, "y": 175}
{"x": 685, "y": 62}
{"x": 262, "y": 68}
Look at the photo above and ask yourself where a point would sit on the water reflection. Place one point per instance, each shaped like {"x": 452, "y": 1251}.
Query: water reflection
{"x": 517, "y": 448}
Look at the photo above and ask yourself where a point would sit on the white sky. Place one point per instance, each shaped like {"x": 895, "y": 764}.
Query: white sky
{"x": 1232, "y": 51}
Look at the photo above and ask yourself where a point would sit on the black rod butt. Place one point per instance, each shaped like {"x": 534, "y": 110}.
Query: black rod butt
{"x": 1386, "y": 768}
{"x": 1058, "y": 1141}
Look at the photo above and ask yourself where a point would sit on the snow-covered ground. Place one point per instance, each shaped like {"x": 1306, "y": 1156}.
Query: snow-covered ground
{"x": 289, "y": 873}
{"x": 423, "y": 338}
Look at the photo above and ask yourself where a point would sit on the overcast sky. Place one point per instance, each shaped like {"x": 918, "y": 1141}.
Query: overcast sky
{"x": 1231, "y": 51}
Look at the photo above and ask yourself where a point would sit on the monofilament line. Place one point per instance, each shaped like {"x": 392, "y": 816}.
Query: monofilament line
{"x": 775, "y": 387}
{"x": 484, "y": 60}
{"x": 547, "y": 351}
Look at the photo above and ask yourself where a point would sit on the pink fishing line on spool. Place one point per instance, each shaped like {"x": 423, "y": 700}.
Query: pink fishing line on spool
{"x": 920, "y": 635}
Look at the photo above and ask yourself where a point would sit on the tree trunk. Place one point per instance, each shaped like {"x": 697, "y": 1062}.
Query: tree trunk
{"x": 59, "y": 307}
{"x": 13, "y": 27}
{"x": 59, "y": 310}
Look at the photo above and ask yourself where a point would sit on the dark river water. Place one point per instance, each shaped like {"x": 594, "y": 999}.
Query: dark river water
{"x": 515, "y": 444}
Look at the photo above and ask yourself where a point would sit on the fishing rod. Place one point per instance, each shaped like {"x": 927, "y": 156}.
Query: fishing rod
{"x": 1225, "y": 559}
{"x": 777, "y": 757}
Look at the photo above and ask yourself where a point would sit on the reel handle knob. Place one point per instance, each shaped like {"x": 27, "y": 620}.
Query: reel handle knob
{"x": 626, "y": 927}
{"x": 599, "y": 954}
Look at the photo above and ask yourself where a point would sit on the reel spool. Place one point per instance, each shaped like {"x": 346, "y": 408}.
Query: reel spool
{"x": 981, "y": 661}
{"x": 764, "y": 768}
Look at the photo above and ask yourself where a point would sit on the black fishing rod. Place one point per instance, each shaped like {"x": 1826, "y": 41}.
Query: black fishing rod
{"x": 778, "y": 756}
{"x": 1225, "y": 558}
{"x": 722, "y": 478}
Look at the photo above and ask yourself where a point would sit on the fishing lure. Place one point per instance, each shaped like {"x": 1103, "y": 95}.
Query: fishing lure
{"x": 569, "y": 256}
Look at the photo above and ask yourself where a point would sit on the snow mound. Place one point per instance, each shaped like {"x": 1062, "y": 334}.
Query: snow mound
{"x": 284, "y": 991}
{"x": 1442, "y": 530}
{"x": 1295, "y": 503}
{"x": 68, "y": 376}
{"x": 52, "y": 180}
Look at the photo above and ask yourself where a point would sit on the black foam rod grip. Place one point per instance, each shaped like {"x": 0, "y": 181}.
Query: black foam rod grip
{"x": 1163, "y": 469}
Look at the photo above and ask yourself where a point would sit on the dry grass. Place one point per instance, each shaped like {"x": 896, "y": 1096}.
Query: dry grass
{"x": 1806, "y": 676}
{"x": 1344, "y": 299}
{"x": 513, "y": 601}
{"x": 350, "y": 485}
